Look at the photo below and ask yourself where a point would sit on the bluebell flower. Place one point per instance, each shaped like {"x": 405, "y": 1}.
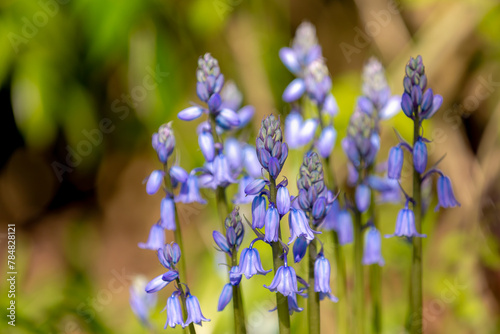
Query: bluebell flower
{"x": 405, "y": 225}
{"x": 299, "y": 248}
{"x": 293, "y": 125}
{"x": 251, "y": 162}
{"x": 194, "y": 314}
{"x": 322, "y": 274}
{"x": 221, "y": 172}
{"x": 307, "y": 131}
{"x": 210, "y": 79}
{"x": 271, "y": 150}
{"x": 250, "y": 263}
{"x": 304, "y": 50}
{"x": 392, "y": 194}
{"x": 317, "y": 81}
{"x": 330, "y": 106}
{"x": 227, "y": 119}
{"x": 330, "y": 221}
{"x": 156, "y": 238}
{"x": 174, "y": 311}
{"x": 313, "y": 194}
{"x": 163, "y": 142}
{"x": 225, "y": 297}
{"x": 141, "y": 302}
{"x": 155, "y": 181}
{"x": 232, "y": 99}
{"x": 233, "y": 152}
{"x": 190, "y": 191}
{"x": 377, "y": 91}
{"x": 446, "y": 198}
{"x": 169, "y": 255}
{"x": 416, "y": 95}
{"x": 221, "y": 241}
{"x": 167, "y": 213}
{"x": 372, "y": 253}
{"x": 395, "y": 162}
{"x": 234, "y": 229}
{"x": 344, "y": 227}
{"x": 284, "y": 281}
{"x": 161, "y": 281}
{"x": 299, "y": 226}
{"x": 292, "y": 304}
{"x": 190, "y": 113}
{"x": 294, "y": 90}
{"x": 420, "y": 156}
{"x": 283, "y": 201}
{"x": 259, "y": 211}
{"x": 235, "y": 275}
{"x": 362, "y": 197}
{"x": 272, "y": 224}
{"x": 326, "y": 141}
{"x": 206, "y": 142}
{"x": 319, "y": 209}
{"x": 322, "y": 278}
{"x": 255, "y": 187}
{"x": 178, "y": 174}
{"x": 241, "y": 197}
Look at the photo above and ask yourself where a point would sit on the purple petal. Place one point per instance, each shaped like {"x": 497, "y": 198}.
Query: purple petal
{"x": 290, "y": 60}
{"x": 190, "y": 113}
{"x": 294, "y": 90}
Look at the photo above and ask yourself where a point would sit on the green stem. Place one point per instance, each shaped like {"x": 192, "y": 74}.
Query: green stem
{"x": 341, "y": 309}
{"x": 281, "y": 301}
{"x": 313, "y": 312}
{"x": 223, "y": 211}
{"x": 359, "y": 311}
{"x": 375, "y": 275}
{"x": 181, "y": 266}
{"x": 416, "y": 268}
{"x": 341, "y": 293}
{"x": 239, "y": 314}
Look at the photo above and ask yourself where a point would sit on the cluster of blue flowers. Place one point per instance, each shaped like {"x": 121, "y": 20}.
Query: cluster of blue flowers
{"x": 225, "y": 160}
{"x": 168, "y": 254}
{"x": 361, "y": 147}
{"x": 419, "y": 103}
{"x": 313, "y": 201}
{"x": 230, "y": 244}
{"x": 304, "y": 60}
{"x": 229, "y": 159}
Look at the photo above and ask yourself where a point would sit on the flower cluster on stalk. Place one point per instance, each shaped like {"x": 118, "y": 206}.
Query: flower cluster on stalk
{"x": 305, "y": 61}
{"x": 229, "y": 243}
{"x": 314, "y": 201}
{"x": 419, "y": 103}
{"x": 361, "y": 147}
{"x": 169, "y": 256}
{"x": 225, "y": 160}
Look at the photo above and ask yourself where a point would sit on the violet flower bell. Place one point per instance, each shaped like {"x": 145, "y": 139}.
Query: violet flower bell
{"x": 163, "y": 142}
{"x": 299, "y": 226}
{"x": 141, "y": 302}
{"x": 174, "y": 311}
{"x": 372, "y": 253}
{"x": 194, "y": 314}
{"x": 190, "y": 191}
{"x": 156, "y": 238}
{"x": 322, "y": 277}
{"x": 405, "y": 225}
{"x": 250, "y": 263}
{"x": 446, "y": 198}
{"x": 284, "y": 281}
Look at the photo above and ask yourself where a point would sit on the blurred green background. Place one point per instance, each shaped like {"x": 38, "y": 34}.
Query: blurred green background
{"x": 77, "y": 69}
